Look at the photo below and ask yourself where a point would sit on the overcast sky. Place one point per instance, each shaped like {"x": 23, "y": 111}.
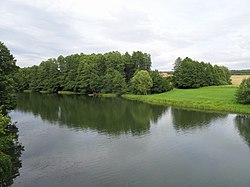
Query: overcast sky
{"x": 216, "y": 31}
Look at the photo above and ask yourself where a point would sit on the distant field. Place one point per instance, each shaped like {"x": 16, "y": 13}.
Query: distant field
{"x": 237, "y": 79}
{"x": 217, "y": 98}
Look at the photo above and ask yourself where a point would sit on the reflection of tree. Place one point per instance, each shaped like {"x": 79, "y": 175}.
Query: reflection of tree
{"x": 189, "y": 119}
{"x": 10, "y": 157}
{"x": 243, "y": 124}
{"x": 106, "y": 115}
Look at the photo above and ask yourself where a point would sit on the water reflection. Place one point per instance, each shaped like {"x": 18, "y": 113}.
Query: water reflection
{"x": 14, "y": 151}
{"x": 106, "y": 115}
{"x": 184, "y": 120}
{"x": 242, "y": 122}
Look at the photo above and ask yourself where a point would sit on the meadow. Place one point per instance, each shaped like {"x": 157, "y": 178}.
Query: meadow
{"x": 214, "y": 98}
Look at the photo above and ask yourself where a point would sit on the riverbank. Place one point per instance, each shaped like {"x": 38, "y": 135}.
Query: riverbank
{"x": 74, "y": 93}
{"x": 214, "y": 98}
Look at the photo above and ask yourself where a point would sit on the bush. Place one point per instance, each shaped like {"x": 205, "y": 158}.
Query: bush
{"x": 160, "y": 84}
{"x": 141, "y": 82}
{"x": 243, "y": 93}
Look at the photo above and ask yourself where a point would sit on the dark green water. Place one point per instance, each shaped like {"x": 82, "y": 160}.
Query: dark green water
{"x": 80, "y": 141}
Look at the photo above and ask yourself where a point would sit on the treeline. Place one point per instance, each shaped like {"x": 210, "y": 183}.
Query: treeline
{"x": 193, "y": 74}
{"x": 240, "y": 72}
{"x": 111, "y": 72}
{"x": 10, "y": 149}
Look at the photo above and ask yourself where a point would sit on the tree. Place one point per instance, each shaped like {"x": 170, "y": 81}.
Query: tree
{"x": 68, "y": 67}
{"x": 129, "y": 66}
{"x": 48, "y": 76}
{"x": 8, "y": 132}
{"x": 10, "y": 151}
{"x": 34, "y": 79}
{"x": 185, "y": 75}
{"x": 141, "y": 82}
{"x": 7, "y": 70}
{"x": 89, "y": 75}
{"x": 160, "y": 84}
{"x": 142, "y": 61}
{"x": 84, "y": 73}
{"x": 114, "y": 82}
{"x": 243, "y": 93}
{"x": 114, "y": 61}
{"x": 193, "y": 74}
{"x": 177, "y": 63}
{"x": 22, "y": 79}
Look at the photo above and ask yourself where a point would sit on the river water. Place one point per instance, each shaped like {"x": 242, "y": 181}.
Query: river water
{"x": 82, "y": 141}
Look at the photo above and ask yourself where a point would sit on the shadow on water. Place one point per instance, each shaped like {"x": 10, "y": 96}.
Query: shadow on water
{"x": 184, "y": 120}
{"x": 112, "y": 116}
{"x": 242, "y": 123}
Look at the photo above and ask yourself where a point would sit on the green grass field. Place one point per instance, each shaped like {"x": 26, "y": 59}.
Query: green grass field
{"x": 215, "y": 98}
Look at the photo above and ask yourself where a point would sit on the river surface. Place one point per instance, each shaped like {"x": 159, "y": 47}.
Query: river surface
{"x": 75, "y": 141}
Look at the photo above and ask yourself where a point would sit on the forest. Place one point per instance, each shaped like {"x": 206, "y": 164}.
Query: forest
{"x": 241, "y": 72}
{"x": 117, "y": 73}
{"x": 111, "y": 72}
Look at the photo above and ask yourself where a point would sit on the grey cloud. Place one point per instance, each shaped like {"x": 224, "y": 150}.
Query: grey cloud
{"x": 211, "y": 31}
{"x": 129, "y": 26}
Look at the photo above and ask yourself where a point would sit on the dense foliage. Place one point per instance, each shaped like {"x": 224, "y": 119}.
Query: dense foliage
{"x": 10, "y": 149}
{"x": 193, "y": 74}
{"x": 7, "y": 87}
{"x": 107, "y": 73}
{"x": 243, "y": 93}
{"x": 141, "y": 82}
{"x": 160, "y": 84}
{"x": 241, "y": 72}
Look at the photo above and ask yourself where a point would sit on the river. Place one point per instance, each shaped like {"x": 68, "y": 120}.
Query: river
{"x": 83, "y": 141}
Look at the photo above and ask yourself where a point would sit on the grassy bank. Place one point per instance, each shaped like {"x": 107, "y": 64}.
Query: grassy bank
{"x": 108, "y": 95}
{"x": 215, "y": 98}
{"x": 69, "y": 93}
{"x": 74, "y": 93}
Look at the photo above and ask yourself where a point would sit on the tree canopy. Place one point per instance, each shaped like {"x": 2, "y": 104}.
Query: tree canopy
{"x": 193, "y": 74}
{"x": 241, "y": 72}
{"x": 94, "y": 73}
{"x": 160, "y": 84}
{"x": 7, "y": 84}
{"x": 141, "y": 82}
{"x": 10, "y": 149}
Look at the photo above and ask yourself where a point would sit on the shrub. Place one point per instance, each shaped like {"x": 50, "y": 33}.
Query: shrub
{"x": 141, "y": 82}
{"x": 160, "y": 84}
{"x": 243, "y": 93}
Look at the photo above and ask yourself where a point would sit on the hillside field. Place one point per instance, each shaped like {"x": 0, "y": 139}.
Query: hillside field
{"x": 237, "y": 79}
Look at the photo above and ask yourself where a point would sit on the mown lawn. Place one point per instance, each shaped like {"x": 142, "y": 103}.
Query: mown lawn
{"x": 216, "y": 98}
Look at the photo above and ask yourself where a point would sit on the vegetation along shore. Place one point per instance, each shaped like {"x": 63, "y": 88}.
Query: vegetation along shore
{"x": 192, "y": 84}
